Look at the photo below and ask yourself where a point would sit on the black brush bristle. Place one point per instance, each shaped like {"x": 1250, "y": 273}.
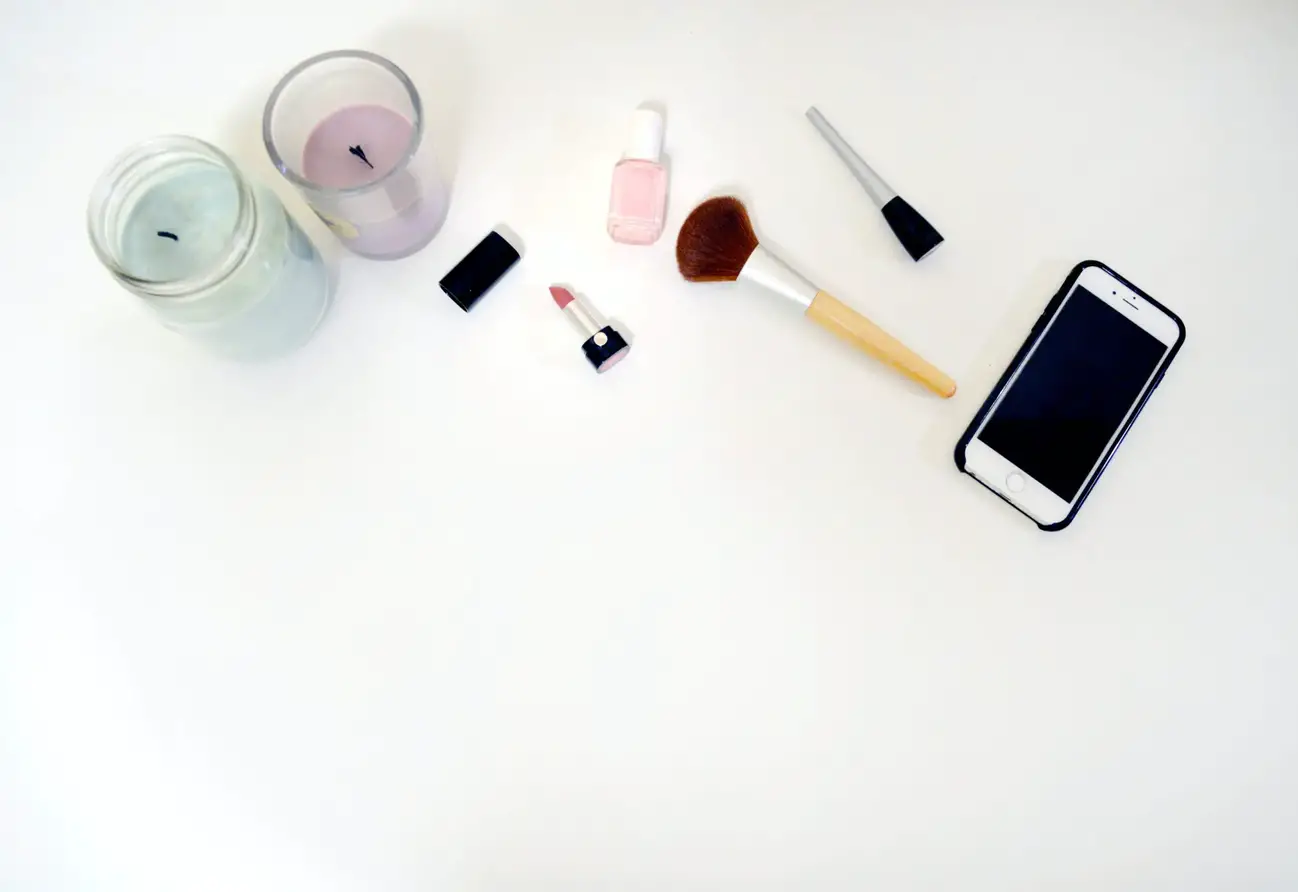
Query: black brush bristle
{"x": 715, "y": 241}
{"x": 915, "y": 233}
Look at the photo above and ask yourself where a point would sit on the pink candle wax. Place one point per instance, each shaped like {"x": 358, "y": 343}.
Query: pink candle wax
{"x": 360, "y": 145}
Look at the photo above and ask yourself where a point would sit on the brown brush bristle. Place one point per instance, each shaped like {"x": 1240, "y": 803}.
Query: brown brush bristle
{"x": 715, "y": 241}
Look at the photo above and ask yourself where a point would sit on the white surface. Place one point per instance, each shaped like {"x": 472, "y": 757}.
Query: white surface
{"x": 429, "y": 605}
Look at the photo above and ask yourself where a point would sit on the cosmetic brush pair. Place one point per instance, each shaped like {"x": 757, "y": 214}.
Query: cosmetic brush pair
{"x": 717, "y": 244}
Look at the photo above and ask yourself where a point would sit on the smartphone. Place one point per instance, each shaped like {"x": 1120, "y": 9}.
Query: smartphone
{"x": 1057, "y": 415}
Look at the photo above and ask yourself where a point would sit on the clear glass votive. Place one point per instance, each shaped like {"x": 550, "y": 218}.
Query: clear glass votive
{"x": 347, "y": 129}
{"x": 216, "y": 257}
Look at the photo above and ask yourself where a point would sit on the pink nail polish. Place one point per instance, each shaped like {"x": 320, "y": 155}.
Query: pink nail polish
{"x": 639, "y": 198}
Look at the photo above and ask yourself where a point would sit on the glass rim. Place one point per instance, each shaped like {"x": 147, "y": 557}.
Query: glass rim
{"x": 272, "y": 102}
{"x": 120, "y": 167}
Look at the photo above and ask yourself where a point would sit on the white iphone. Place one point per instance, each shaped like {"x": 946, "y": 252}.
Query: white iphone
{"x": 1054, "y": 420}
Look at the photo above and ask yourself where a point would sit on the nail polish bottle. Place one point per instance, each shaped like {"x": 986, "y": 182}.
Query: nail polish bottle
{"x": 638, "y": 201}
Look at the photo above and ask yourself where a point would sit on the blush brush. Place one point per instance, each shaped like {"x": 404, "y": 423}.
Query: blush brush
{"x": 717, "y": 244}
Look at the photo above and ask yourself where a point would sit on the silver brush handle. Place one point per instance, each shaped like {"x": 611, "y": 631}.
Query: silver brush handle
{"x": 880, "y": 191}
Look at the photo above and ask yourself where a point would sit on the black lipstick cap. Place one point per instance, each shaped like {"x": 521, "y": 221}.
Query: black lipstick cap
{"x": 481, "y": 268}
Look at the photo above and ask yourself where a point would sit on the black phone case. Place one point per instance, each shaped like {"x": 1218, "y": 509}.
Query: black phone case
{"x": 1046, "y": 315}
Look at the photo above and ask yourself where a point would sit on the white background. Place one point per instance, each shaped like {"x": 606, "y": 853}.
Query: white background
{"x": 428, "y": 605}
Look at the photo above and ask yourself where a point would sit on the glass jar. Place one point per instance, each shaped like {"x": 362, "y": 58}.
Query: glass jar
{"x": 347, "y": 129}
{"x": 215, "y": 257}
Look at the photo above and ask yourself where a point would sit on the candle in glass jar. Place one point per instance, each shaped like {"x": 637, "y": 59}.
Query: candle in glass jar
{"x": 346, "y": 128}
{"x": 214, "y": 256}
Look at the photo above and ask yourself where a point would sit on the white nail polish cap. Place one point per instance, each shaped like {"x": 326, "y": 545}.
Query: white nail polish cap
{"x": 646, "y": 142}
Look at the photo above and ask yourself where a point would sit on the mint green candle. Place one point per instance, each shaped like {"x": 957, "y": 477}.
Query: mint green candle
{"x": 215, "y": 257}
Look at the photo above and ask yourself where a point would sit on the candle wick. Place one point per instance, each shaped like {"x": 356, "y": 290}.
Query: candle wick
{"x": 170, "y": 235}
{"x": 360, "y": 153}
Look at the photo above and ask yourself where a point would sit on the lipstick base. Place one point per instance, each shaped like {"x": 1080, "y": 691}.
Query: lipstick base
{"x": 605, "y": 348}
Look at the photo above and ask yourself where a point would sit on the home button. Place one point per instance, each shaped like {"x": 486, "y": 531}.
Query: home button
{"x": 1014, "y": 483}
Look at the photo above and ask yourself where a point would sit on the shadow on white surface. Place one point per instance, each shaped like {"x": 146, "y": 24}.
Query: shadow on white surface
{"x": 438, "y": 63}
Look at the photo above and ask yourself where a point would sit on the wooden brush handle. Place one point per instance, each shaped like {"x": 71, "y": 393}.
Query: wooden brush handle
{"x": 831, "y": 313}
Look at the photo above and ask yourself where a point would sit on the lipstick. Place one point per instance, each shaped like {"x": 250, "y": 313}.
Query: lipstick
{"x": 603, "y": 346}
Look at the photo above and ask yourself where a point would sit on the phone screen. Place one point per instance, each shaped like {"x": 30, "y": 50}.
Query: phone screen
{"x": 1069, "y": 398}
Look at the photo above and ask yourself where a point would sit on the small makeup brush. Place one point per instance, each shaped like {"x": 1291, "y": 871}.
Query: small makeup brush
{"x": 717, "y": 244}
{"x": 916, "y": 234}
